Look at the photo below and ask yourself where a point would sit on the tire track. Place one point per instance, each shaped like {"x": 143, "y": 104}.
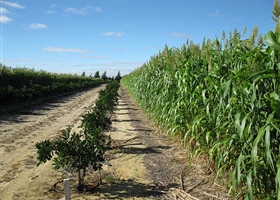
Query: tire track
{"x": 22, "y": 130}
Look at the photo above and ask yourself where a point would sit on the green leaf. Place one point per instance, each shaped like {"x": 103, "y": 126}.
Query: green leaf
{"x": 277, "y": 180}
{"x": 208, "y": 136}
{"x": 240, "y": 126}
{"x": 249, "y": 186}
{"x": 256, "y": 142}
{"x": 274, "y": 102}
{"x": 267, "y": 147}
{"x": 271, "y": 40}
{"x": 238, "y": 168}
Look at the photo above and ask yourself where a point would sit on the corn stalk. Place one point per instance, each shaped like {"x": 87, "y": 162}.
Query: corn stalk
{"x": 222, "y": 99}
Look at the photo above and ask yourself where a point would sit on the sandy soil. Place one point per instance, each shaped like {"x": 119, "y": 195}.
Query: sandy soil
{"x": 19, "y": 132}
{"x": 143, "y": 163}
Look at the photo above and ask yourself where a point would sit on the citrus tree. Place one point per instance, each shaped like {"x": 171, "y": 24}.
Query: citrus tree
{"x": 85, "y": 149}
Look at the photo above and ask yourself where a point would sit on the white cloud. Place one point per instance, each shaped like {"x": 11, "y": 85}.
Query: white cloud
{"x": 119, "y": 64}
{"x": 38, "y": 26}
{"x": 112, "y": 64}
{"x": 96, "y": 9}
{"x": 98, "y": 57}
{"x": 125, "y": 64}
{"x": 5, "y": 19}
{"x": 80, "y": 11}
{"x": 175, "y": 34}
{"x": 118, "y": 34}
{"x": 53, "y": 5}
{"x": 119, "y": 49}
{"x": 214, "y": 14}
{"x": 14, "y": 5}
{"x": 236, "y": 19}
{"x": 59, "y": 49}
{"x": 3, "y": 11}
{"x": 112, "y": 68}
{"x": 83, "y": 10}
{"x": 49, "y": 12}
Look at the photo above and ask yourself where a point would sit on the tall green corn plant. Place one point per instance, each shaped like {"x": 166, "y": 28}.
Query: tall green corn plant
{"x": 257, "y": 159}
{"x": 223, "y": 101}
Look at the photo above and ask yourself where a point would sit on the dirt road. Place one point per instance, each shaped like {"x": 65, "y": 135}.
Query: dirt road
{"x": 144, "y": 164}
{"x": 19, "y": 176}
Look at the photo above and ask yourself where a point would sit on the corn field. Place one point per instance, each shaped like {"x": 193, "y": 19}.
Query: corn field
{"x": 223, "y": 99}
{"x": 19, "y": 85}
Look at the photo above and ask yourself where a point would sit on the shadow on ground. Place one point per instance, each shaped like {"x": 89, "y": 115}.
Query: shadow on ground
{"x": 118, "y": 189}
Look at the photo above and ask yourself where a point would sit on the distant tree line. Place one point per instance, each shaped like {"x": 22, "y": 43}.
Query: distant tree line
{"x": 104, "y": 76}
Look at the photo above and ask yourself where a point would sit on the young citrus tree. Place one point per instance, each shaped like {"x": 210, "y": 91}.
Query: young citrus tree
{"x": 73, "y": 151}
{"x": 85, "y": 149}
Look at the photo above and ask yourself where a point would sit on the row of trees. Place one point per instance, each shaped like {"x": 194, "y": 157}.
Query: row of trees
{"x": 18, "y": 85}
{"x": 85, "y": 149}
{"x": 104, "y": 76}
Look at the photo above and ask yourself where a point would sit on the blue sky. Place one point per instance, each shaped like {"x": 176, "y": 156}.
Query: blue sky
{"x": 71, "y": 36}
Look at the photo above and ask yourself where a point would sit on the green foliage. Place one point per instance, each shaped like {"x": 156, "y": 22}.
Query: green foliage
{"x": 276, "y": 10}
{"x": 87, "y": 148}
{"x": 118, "y": 76}
{"x": 104, "y": 76}
{"x": 96, "y": 75}
{"x": 19, "y": 85}
{"x": 223, "y": 100}
{"x": 45, "y": 151}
